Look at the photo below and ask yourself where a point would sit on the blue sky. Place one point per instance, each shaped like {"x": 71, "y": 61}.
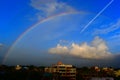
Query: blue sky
{"x": 60, "y": 28}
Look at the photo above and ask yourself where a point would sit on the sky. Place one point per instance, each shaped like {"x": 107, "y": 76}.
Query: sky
{"x": 42, "y": 32}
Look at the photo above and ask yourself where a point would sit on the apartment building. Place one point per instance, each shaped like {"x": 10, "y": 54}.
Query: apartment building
{"x": 63, "y": 70}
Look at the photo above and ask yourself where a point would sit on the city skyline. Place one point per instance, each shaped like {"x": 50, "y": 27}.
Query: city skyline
{"x": 80, "y": 32}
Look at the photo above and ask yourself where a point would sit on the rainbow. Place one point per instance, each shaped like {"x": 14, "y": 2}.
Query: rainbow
{"x": 32, "y": 27}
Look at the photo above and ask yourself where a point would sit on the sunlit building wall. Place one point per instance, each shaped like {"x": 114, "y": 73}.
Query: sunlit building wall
{"x": 67, "y": 71}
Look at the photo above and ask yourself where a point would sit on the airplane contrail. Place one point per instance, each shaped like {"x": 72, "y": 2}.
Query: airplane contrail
{"x": 97, "y": 15}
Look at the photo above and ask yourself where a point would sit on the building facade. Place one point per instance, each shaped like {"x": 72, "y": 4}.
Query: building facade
{"x": 63, "y": 70}
{"x": 102, "y": 78}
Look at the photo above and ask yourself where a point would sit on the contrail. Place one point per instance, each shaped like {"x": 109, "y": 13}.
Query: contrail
{"x": 97, "y": 15}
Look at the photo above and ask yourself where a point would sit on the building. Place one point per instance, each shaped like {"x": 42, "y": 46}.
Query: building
{"x": 63, "y": 71}
{"x": 18, "y": 67}
{"x": 117, "y": 73}
{"x": 102, "y": 78}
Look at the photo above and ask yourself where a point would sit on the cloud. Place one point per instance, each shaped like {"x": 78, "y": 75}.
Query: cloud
{"x": 63, "y": 41}
{"x": 97, "y": 49}
{"x": 59, "y": 49}
{"x": 117, "y": 35}
{"x": 48, "y": 8}
{"x": 98, "y": 14}
{"x": 108, "y": 28}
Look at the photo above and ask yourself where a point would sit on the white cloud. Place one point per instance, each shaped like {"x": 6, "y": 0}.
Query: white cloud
{"x": 50, "y": 7}
{"x": 96, "y": 50}
{"x": 108, "y": 28}
{"x": 59, "y": 49}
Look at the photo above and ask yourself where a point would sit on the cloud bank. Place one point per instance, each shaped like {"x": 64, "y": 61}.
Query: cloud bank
{"x": 97, "y": 49}
{"x": 48, "y": 8}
